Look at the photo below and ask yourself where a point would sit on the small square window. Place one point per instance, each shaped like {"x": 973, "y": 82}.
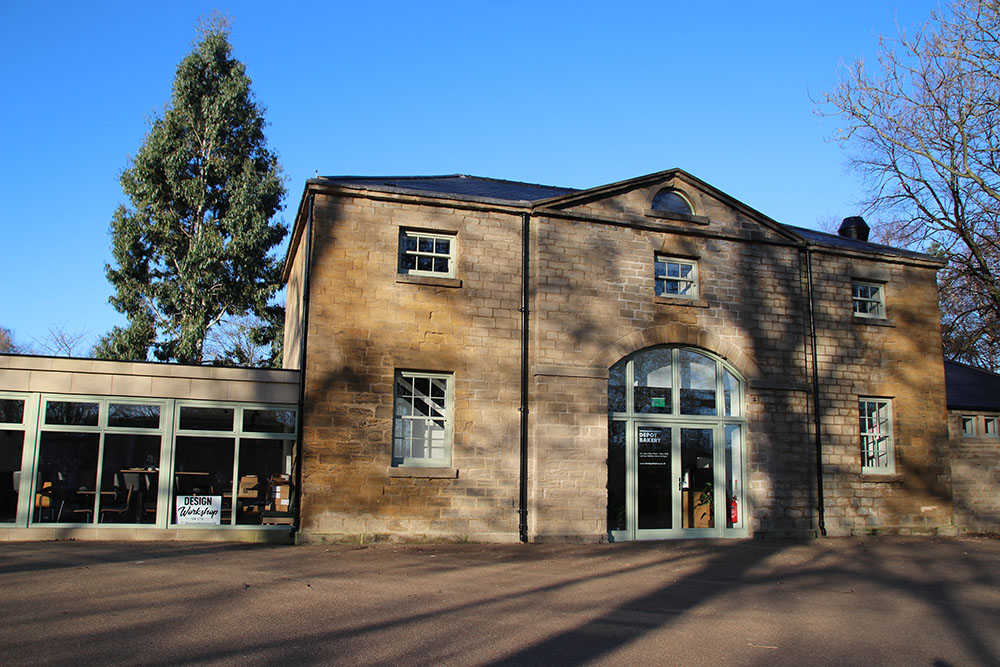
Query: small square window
{"x": 968, "y": 426}
{"x": 421, "y": 430}
{"x": 877, "y": 454}
{"x": 991, "y": 427}
{"x": 426, "y": 254}
{"x": 869, "y": 300}
{"x": 676, "y": 277}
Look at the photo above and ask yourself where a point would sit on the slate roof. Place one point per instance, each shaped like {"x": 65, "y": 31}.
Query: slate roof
{"x": 471, "y": 187}
{"x": 493, "y": 190}
{"x": 971, "y": 388}
{"x": 846, "y": 243}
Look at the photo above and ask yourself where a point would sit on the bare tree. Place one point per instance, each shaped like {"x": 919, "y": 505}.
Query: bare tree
{"x": 61, "y": 342}
{"x": 923, "y": 127}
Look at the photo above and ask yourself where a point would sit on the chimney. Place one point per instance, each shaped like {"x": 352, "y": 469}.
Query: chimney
{"x": 855, "y": 228}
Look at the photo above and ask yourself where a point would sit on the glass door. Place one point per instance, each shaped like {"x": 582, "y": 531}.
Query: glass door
{"x": 665, "y": 481}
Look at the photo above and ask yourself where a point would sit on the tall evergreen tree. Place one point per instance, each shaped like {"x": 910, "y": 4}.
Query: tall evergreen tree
{"x": 192, "y": 249}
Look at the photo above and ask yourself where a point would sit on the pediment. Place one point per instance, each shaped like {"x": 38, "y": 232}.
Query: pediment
{"x": 658, "y": 200}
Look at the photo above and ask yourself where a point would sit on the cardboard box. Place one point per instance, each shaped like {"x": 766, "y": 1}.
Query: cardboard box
{"x": 249, "y": 485}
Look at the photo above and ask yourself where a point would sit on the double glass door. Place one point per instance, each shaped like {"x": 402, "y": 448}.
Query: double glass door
{"x": 674, "y": 480}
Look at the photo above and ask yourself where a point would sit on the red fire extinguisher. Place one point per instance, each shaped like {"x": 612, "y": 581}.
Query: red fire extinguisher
{"x": 734, "y": 515}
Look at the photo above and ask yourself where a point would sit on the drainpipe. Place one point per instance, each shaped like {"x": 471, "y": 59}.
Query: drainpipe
{"x": 821, "y": 515}
{"x": 523, "y": 489}
{"x": 306, "y": 281}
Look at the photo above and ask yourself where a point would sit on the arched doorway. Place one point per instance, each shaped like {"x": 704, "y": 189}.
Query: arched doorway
{"x": 675, "y": 446}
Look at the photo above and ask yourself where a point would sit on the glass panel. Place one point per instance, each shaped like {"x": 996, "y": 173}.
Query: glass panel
{"x": 442, "y": 246}
{"x": 616, "y": 475}
{"x": 426, "y": 245}
{"x": 653, "y": 379}
{"x": 734, "y": 468}
{"x": 697, "y": 383}
{"x": 656, "y": 488}
{"x": 130, "y": 476}
{"x": 11, "y": 411}
{"x": 730, "y": 394}
{"x": 204, "y": 467}
{"x": 71, "y": 413}
{"x": 616, "y": 388}
{"x": 206, "y": 419}
{"x": 11, "y": 443}
{"x": 269, "y": 421}
{"x": 263, "y": 494}
{"x": 425, "y": 263}
{"x": 697, "y": 478}
{"x": 409, "y": 243}
{"x": 440, "y": 265}
{"x": 67, "y": 477}
{"x": 134, "y": 416}
{"x": 669, "y": 201}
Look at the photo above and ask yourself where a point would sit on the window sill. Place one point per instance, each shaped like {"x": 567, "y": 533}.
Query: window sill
{"x": 875, "y": 321}
{"x": 427, "y": 473}
{"x": 680, "y": 301}
{"x": 427, "y": 280}
{"x": 881, "y": 476}
{"x": 696, "y": 219}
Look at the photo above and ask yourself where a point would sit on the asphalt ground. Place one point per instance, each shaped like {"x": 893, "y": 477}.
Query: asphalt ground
{"x": 859, "y": 601}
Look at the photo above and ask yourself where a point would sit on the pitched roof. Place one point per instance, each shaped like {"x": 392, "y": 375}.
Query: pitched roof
{"x": 516, "y": 193}
{"x": 847, "y": 243}
{"x": 971, "y": 388}
{"x": 471, "y": 187}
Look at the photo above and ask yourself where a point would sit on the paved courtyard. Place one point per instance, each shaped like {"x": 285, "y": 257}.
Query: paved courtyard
{"x": 881, "y": 600}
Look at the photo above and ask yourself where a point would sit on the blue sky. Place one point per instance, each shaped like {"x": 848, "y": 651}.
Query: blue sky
{"x": 574, "y": 94}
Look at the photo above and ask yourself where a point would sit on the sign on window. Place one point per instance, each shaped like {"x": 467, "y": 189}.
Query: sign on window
{"x": 199, "y": 510}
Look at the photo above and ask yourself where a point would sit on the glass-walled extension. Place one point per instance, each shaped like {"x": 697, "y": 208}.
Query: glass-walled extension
{"x": 70, "y": 462}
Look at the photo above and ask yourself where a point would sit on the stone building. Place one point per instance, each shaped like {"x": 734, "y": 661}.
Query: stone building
{"x": 469, "y": 358}
{"x": 974, "y": 422}
{"x": 494, "y": 360}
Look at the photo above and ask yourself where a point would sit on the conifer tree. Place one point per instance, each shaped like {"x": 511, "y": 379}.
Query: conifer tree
{"x": 192, "y": 248}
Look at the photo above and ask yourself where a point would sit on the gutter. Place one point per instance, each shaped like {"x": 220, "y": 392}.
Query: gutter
{"x": 820, "y": 505}
{"x": 522, "y": 510}
{"x": 306, "y": 281}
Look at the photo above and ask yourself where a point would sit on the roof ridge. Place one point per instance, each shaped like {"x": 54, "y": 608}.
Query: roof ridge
{"x": 415, "y": 177}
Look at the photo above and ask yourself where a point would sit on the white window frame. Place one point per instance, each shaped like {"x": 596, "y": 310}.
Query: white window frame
{"x": 433, "y": 253}
{"x": 991, "y": 427}
{"x": 871, "y": 306}
{"x": 969, "y": 426}
{"x": 402, "y": 456}
{"x": 877, "y": 443}
{"x": 691, "y": 280}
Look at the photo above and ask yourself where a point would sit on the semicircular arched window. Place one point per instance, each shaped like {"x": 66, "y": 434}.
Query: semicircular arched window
{"x": 673, "y": 381}
{"x": 671, "y": 202}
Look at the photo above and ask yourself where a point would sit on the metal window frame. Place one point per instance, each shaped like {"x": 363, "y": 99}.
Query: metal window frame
{"x": 238, "y": 434}
{"x": 678, "y": 420}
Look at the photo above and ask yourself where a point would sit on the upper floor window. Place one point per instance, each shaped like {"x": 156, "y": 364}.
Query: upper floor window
{"x": 990, "y": 427}
{"x": 426, "y": 253}
{"x": 671, "y": 202}
{"x": 676, "y": 277}
{"x": 869, "y": 299}
{"x": 969, "y": 426}
{"x": 877, "y": 454}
